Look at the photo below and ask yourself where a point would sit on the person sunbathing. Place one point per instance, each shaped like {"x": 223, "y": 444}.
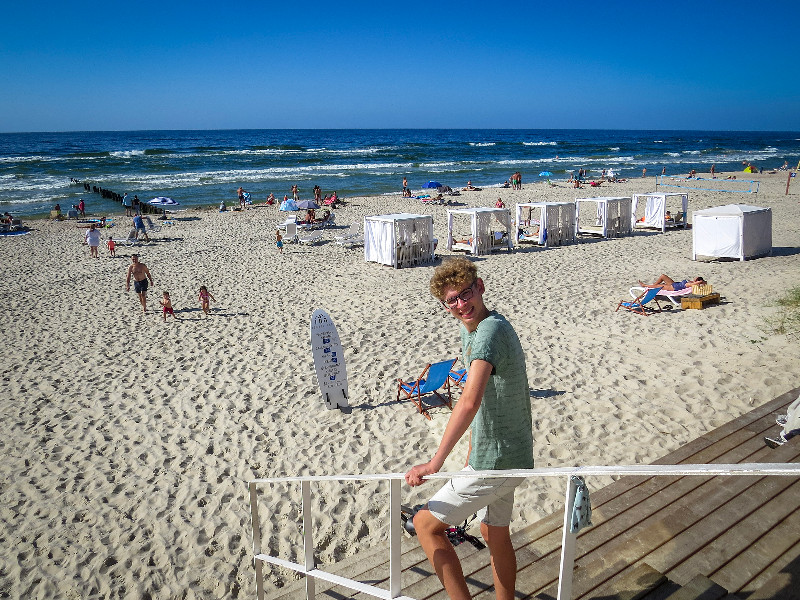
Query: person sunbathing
{"x": 671, "y": 285}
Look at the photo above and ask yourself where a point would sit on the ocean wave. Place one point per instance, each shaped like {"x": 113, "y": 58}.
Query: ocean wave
{"x": 26, "y": 159}
{"x": 287, "y": 173}
{"x": 482, "y": 144}
{"x": 540, "y": 143}
{"x": 126, "y": 153}
{"x": 26, "y": 184}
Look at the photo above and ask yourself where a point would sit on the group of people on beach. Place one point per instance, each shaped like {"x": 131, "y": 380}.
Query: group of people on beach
{"x": 142, "y": 280}
{"x": 243, "y": 198}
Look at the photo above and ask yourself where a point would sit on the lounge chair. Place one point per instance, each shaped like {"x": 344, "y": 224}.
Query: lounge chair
{"x": 290, "y": 232}
{"x": 131, "y": 240}
{"x": 311, "y": 238}
{"x": 357, "y": 240}
{"x": 671, "y": 295}
{"x": 351, "y": 232}
{"x": 426, "y": 387}
{"x": 330, "y": 221}
{"x": 638, "y": 305}
{"x": 151, "y": 227}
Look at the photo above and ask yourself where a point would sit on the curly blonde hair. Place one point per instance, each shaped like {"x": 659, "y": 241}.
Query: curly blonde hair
{"x": 455, "y": 273}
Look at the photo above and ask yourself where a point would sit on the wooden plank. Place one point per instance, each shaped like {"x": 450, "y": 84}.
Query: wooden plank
{"x": 752, "y": 561}
{"x": 781, "y": 584}
{"x": 657, "y": 496}
{"x": 635, "y": 583}
{"x": 744, "y": 532}
{"x": 717, "y": 516}
{"x": 699, "y": 588}
{"x": 655, "y": 530}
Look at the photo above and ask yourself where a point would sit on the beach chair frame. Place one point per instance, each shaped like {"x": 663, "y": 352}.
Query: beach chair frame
{"x": 639, "y": 304}
{"x": 435, "y": 377}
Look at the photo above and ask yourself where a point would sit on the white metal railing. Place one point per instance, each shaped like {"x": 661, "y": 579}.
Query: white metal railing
{"x": 395, "y": 532}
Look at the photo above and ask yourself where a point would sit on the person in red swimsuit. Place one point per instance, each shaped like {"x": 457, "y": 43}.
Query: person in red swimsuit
{"x": 166, "y": 305}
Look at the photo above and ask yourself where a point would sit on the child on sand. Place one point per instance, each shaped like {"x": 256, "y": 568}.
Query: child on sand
{"x": 112, "y": 246}
{"x": 204, "y": 298}
{"x": 166, "y": 304}
{"x": 279, "y": 240}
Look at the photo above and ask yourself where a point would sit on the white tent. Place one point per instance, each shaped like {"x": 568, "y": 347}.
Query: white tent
{"x": 732, "y": 231}
{"x": 554, "y": 226}
{"x": 612, "y": 216}
{"x": 655, "y": 210}
{"x": 490, "y": 230}
{"x": 399, "y": 240}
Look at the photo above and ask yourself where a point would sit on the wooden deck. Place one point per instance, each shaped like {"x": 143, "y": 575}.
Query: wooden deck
{"x": 735, "y": 537}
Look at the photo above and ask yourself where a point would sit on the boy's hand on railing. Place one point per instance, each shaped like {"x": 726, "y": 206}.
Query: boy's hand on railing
{"x": 415, "y": 476}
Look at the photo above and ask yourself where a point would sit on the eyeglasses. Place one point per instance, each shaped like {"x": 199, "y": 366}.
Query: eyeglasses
{"x": 464, "y": 296}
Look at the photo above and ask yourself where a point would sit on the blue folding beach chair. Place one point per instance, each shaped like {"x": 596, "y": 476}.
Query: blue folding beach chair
{"x": 458, "y": 377}
{"x": 424, "y": 392}
{"x": 638, "y": 305}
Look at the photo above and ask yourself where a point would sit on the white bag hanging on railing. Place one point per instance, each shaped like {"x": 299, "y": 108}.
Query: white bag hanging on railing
{"x": 582, "y": 508}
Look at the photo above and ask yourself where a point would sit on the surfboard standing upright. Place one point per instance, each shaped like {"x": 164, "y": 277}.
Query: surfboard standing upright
{"x": 328, "y": 360}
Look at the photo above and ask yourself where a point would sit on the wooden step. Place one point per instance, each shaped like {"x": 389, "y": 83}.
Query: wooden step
{"x": 699, "y": 588}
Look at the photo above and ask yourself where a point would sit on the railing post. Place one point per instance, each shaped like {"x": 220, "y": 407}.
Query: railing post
{"x": 395, "y": 539}
{"x": 567, "y": 545}
{"x": 308, "y": 539}
{"x": 256, "y": 541}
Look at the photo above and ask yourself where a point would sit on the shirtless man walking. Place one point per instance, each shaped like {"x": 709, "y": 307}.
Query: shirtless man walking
{"x": 140, "y": 274}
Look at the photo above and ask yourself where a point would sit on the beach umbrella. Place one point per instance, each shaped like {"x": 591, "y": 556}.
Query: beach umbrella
{"x": 432, "y": 184}
{"x": 306, "y": 204}
{"x": 163, "y": 202}
{"x": 288, "y": 205}
{"x": 545, "y": 174}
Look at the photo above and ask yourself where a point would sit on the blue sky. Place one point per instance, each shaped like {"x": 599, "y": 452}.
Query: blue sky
{"x": 307, "y": 64}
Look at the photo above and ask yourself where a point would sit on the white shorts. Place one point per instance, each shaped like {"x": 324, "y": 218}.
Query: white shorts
{"x": 460, "y": 498}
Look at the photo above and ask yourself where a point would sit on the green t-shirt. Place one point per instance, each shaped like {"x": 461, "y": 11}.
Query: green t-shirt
{"x": 502, "y": 432}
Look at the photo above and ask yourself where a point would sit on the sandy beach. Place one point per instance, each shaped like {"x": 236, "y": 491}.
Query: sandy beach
{"x": 127, "y": 442}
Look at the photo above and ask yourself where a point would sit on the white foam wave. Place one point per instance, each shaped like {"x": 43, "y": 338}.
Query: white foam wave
{"x": 482, "y": 144}
{"x": 11, "y": 183}
{"x": 540, "y": 143}
{"x": 24, "y": 159}
{"x": 178, "y": 180}
{"x": 127, "y": 153}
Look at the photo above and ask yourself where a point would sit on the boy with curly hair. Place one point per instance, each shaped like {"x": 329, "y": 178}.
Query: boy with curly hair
{"x": 495, "y": 406}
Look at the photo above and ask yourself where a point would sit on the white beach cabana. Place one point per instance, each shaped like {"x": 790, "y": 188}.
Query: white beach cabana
{"x": 547, "y": 223}
{"x": 399, "y": 240}
{"x": 732, "y": 231}
{"x": 490, "y": 230}
{"x": 655, "y": 207}
{"x": 610, "y": 218}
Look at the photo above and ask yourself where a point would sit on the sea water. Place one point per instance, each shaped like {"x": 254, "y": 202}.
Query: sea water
{"x": 202, "y": 168}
